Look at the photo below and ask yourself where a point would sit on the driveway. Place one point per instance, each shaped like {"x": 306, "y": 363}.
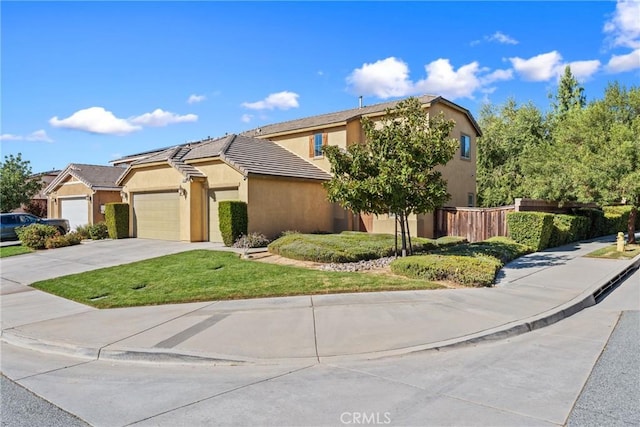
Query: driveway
{"x": 90, "y": 255}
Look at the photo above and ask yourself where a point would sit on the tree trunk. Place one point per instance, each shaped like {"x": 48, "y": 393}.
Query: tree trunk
{"x": 406, "y": 218}
{"x": 404, "y": 237}
{"x": 395, "y": 253}
{"x": 631, "y": 226}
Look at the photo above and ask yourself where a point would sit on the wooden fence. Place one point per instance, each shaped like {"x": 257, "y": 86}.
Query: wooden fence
{"x": 474, "y": 224}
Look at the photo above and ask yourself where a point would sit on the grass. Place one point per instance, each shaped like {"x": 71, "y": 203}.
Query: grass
{"x": 611, "y": 252}
{"x": 203, "y": 275}
{"x": 7, "y": 251}
{"x": 347, "y": 246}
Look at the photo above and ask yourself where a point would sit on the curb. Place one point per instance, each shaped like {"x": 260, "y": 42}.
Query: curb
{"x": 587, "y": 299}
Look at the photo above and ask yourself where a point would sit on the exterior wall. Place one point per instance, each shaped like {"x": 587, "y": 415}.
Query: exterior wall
{"x": 100, "y": 198}
{"x": 276, "y": 205}
{"x": 70, "y": 187}
{"x": 298, "y": 143}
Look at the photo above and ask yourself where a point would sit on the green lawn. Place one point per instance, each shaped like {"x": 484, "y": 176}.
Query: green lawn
{"x": 13, "y": 250}
{"x": 610, "y": 252}
{"x": 204, "y": 275}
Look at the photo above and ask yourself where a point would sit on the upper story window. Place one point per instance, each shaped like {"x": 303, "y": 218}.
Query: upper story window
{"x": 316, "y": 142}
{"x": 465, "y": 146}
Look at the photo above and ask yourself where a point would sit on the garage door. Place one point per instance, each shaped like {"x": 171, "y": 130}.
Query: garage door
{"x": 214, "y": 197}
{"x": 76, "y": 210}
{"x": 157, "y": 215}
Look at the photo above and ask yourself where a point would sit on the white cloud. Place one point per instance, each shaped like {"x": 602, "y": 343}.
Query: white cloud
{"x": 39, "y": 135}
{"x": 542, "y": 67}
{"x": 161, "y": 118}
{"x": 194, "y": 99}
{"x": 280, "y": 101}
{"x": 385, "y": 78}
{"x": 10, "y": 137}
{"x": 501, "y": 38}
{"x": 624, "y": 26}
{"x": 621, "y": 63}
{"x": 582, "y": 70}
{"x": 246, "y": 118}
{"x": 390, "y": 77}
{"x": 95, "y": 120}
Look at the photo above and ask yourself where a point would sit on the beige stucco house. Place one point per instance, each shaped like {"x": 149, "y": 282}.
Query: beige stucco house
{"x": 80, "y": 192}
{"x": 278, "y": 170}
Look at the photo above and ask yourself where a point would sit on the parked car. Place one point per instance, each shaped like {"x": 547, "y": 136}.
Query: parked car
{"x": 10, "y": 221}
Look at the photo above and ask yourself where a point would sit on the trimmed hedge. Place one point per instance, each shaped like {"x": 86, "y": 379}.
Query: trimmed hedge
{"x": 617, "y": 218}
{"x": 234, "y": 221}
{"x": 567, "y": 229}
{"x": 117, "y": 218}
{"x": 532, "y": 229}
{"x": 597, "y": 225}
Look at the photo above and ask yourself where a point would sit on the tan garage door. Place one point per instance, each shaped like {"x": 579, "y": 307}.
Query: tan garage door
{"x": 157, "y": 215}
{"x": 214, "y": 197}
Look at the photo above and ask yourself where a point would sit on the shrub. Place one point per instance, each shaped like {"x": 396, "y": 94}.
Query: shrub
{"x": 469, "y": 271}
{"x": 117, "y": 218}
{"x": 597, "y": 223}
{"x": 567, "y": 229}
{"x": 35, "y": 236}
{"x": 502, "y": 249}
{"x": 73, "y": 238}
{"x": 56, "y": 242}
{"x": 98, "y": 231}
{"x": 532, "y": 229}
{"x": 232, "y": 215}
{"x": 251, "y": 240}
{"x": 617, "y": 218}
{"x": 83, "y": 231}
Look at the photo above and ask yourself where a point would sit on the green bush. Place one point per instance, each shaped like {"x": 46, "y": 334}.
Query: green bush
{"x": 465, "y": 270}
{"x": 117, "y": 218}
{"x": 597, "y": 223}
{"x": 617, "y": 218}
{"x": 73, "y": 238}
{"x": 98, "y": 231}
{"x": 567, "y": 229}
{"x": 234, "y": 221}
{"x": 56, "y": 242}
{"x": 501, "y": 248}
{"x": 35, "y": 236}
{"x": 348, "y": 246}
{"x": 83, "y": 231}
{"x": 532, "y": 229}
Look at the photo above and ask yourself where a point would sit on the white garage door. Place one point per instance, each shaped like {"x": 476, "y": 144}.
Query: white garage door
{"x": 214, "y": 197}
{"x": 157, "y": 215}
{"x": 76, "y": 210}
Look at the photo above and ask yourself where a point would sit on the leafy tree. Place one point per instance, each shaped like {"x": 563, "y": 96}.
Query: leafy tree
{"x": 17, "y": 186}
{"x": 393, "y": 171}
{"x": 509, "y": 134}
{"x": 570, "y": 94}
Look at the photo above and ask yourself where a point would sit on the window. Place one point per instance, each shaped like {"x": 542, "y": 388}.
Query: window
{"x": 470, "y": 200}
{"x": 316, "y": 142}
{"x": 465, "y": 146}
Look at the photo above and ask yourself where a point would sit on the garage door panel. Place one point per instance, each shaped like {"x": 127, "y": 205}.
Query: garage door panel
{"x": 216, "y": 196}
{"x": 157, "y": 215}
{"x": 76, "y": 210}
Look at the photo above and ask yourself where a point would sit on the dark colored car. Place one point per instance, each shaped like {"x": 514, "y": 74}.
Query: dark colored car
{"x": 10, "y": 221}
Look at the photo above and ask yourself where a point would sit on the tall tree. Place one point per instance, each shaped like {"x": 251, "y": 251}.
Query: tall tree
{"x": 509, "y": 133}
{"x": 17, "y": 186}
{"x": 570, "y": 94}
{"x": 393, "y": 171}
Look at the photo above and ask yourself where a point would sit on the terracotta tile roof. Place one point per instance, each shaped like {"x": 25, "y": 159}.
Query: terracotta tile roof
{"x": 93, "y": 176}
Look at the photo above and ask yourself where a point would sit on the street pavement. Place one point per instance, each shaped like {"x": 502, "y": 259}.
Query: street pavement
{"x": 532, "y": 292}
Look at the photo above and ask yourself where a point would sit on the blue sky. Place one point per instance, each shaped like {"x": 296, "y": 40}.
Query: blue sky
{"x": 87, "y": 82}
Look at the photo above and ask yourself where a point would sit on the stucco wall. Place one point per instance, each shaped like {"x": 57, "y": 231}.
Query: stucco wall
{"x": 100, "y": 198}
{"x": 276, "y": 205}
{"x": 298, "y": 143}
{"x": 70, "y": 186}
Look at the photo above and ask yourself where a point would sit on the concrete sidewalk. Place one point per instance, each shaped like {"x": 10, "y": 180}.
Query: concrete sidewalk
{"x": 532, "y": 292}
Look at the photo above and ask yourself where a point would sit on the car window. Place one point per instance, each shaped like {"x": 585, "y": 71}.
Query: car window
{"x": 26, "y": 219}
{"x": 7, "y": 219}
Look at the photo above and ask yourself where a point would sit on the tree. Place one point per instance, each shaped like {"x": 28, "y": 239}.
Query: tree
{"x": 17, "y": 186}
{"x": 509, "y": 134}
{"x": 570, "y": 94}
{"x": 393, "y": 171}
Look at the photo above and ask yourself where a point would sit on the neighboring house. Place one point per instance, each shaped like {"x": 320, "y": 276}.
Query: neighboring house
{"x": 38, "y": 204}
{"x": 278, "y": 171}
{"x": 306, "y": 136}
{"x": 174, "y": 193}
{"x": 80, "y": 192}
